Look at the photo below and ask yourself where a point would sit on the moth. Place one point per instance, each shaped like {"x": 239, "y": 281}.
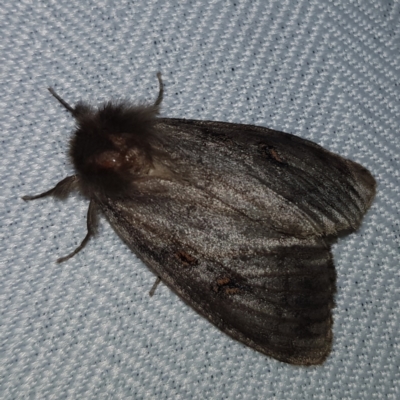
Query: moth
{"x": 238, "y": 220}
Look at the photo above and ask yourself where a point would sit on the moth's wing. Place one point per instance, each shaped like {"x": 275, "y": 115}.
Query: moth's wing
{"x": 272, "y": 292}
{"x": 232, "y": 219}
{"x": 295, "y": 184}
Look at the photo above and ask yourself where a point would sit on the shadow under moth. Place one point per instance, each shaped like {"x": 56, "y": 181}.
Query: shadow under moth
{"x": 238, "y": 220}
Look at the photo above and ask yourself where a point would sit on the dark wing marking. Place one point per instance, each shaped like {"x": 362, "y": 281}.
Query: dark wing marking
{"x": 236, "y": 229}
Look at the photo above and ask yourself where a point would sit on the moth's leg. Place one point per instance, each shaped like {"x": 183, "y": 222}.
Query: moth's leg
{"x": 153, "y": 289}
{"x": 91, "y": 222}
{"x": 160, "y": 91}
{"x": 61, "y": 190}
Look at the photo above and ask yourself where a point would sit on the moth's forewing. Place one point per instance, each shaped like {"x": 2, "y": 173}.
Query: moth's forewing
{"x": 237, "y": 230}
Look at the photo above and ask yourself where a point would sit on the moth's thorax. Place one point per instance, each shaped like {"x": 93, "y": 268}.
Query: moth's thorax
{"x": 111, "y": 146}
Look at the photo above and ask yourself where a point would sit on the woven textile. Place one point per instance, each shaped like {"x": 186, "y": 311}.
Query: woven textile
{"x": 328, "y": 71}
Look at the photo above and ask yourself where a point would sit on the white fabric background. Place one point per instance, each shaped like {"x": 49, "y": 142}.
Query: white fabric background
{"x": 325, "y": 70}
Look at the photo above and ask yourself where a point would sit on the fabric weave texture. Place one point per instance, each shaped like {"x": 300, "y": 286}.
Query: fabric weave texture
{"x": 325, "y": 70}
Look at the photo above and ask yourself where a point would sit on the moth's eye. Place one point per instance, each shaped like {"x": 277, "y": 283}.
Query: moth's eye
{"x": 107, "y": 160}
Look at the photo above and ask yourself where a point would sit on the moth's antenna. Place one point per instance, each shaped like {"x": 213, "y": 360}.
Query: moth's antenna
{"x": 160, "y": 91}
{"x": 63, "y": 102}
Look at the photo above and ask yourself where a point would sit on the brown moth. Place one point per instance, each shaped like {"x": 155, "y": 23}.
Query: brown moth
{"x": 237, "y": 220}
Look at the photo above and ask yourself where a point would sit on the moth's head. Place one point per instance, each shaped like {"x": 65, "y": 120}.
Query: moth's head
{"x": 111, "y": 147}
